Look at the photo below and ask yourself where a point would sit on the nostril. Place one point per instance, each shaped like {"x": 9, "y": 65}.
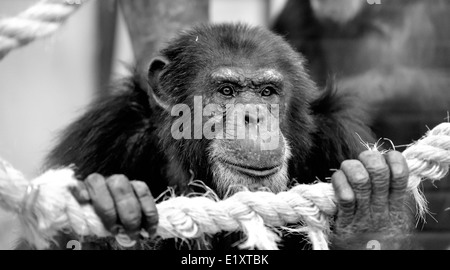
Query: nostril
{"x": 247, "y": 119}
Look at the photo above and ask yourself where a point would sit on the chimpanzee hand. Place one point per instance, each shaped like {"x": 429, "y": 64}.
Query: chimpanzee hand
{"x": 371, "y": 195}
{"x": 121, "y": 204}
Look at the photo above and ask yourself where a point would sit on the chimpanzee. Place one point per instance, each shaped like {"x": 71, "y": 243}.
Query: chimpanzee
{"x": 177, "y": 125}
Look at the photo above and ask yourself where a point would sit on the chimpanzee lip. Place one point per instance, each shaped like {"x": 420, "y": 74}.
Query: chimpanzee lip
{"x": 253, "y": 171}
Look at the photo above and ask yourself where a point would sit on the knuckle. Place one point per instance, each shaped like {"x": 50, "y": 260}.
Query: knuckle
{"x": 342, "y": 189}
{"x": 378, "y": 169}
{"x": 398, "y": 165}
{"x": 337, "y": 178}
{"x": 360, "y": 177}
{"x": 399, "y": 171}
{"x": 118, "y": 183}
{"x": 94, "y": 175}
{"x": 395, "y": 155}
{"x": 374, "y": 163}
{"x": 94, "y": 178}
{"x": 118, "y": 178}
{"x": 350, "y": 164}
{"x": 128, "y": 205}
{"x": 355, "y": 171}
{"x": 369, "y": 154}
{"x": 346, "y": 198}
{"x": 140, "y": 188}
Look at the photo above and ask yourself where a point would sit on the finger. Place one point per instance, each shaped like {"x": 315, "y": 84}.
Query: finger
{"x": 378, "y": 171}
{"x": 345, "y": 197}
{"x": 148, "y": 206}
{"x": 399, "y": 180}
{"x": 358, "y": 179}
{"x": 80, "y": 193}
{"x": 101, "y": 200}
{"x": 127, "y": 205}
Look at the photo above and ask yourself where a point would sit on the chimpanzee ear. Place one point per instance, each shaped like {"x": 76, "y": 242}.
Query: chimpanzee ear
{"x": 157, "y": 66}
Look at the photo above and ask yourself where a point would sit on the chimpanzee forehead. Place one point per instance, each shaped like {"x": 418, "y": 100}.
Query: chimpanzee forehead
{"x": 244, "y": 76}
{"x": 203, "y": 49}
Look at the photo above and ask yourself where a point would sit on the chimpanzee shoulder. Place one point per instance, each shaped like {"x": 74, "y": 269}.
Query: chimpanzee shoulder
{"x": 114, "y": 136}
{"x": 341, "y": 132}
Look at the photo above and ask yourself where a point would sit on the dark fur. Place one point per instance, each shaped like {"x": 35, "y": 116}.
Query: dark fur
{"x": 124, "y": 133}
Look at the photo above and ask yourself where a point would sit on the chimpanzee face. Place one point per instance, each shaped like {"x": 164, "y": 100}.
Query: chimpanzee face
{"x": 228, "y": 95}
{"x": 248, "y": 148}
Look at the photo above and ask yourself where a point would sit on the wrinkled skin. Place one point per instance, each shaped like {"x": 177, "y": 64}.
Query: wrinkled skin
{"x": 371, "y": 195}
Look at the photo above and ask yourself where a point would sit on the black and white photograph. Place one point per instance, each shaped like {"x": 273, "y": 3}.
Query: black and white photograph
{"x": 225, "y": 126}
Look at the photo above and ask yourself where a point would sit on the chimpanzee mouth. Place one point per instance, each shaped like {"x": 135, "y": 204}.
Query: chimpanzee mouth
{"x": 253, "y": 171}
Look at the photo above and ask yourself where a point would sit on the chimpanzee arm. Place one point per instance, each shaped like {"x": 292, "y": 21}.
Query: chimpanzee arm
{"x": 370, "y": 187}
{"x": 115, "y": 136}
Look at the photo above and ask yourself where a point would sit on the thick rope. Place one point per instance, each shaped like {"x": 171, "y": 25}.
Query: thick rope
{"x": 40, "y": 20}
{"x": 45, "y": 205}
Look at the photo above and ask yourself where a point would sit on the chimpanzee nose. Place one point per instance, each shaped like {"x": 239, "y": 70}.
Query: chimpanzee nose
{"x": 252, "y": 118}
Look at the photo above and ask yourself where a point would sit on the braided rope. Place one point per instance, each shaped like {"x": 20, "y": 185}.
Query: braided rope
{"x": 46, "y": 206}
{"x": 40, "y": 20}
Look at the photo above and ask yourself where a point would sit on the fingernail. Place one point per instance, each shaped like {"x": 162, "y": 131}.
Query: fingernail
{"x": 84, "y": 194}
{"x": 125, "y": 240}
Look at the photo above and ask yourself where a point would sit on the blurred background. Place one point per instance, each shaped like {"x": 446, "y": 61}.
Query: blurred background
{"x": 395, "y": 55}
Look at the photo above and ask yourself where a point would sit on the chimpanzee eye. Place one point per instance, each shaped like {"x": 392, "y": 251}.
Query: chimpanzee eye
{"x": 226, "y": 91}
{"x": 268, "y": 91}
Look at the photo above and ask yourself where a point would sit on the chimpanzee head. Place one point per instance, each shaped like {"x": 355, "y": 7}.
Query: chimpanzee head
{"x": 235, "y": 101}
